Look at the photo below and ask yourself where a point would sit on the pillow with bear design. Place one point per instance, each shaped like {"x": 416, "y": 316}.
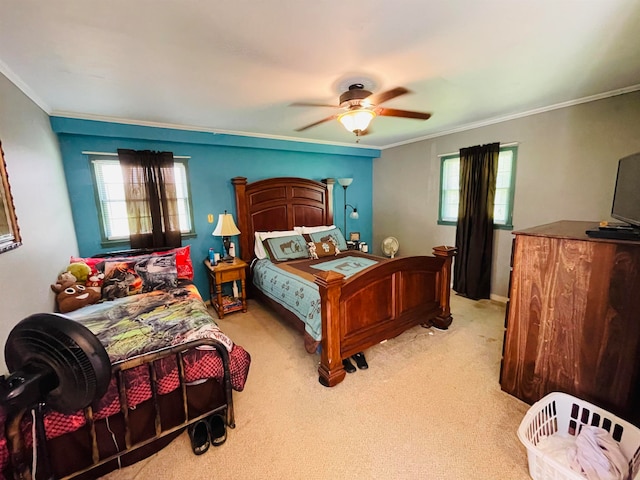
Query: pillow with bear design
{"x": 325, "y": 235}
{"x": 322, "y": 249}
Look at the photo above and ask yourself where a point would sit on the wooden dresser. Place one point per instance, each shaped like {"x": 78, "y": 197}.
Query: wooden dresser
{"x": 573, "y": 318}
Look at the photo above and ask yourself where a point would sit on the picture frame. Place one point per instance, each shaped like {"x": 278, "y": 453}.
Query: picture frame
{"x": 9, "y": 230}
{"x": 354, "y": 236}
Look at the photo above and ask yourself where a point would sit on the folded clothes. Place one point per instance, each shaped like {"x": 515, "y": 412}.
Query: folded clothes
{"x": 556, "y": 447}
{"x": 597, "y": 455}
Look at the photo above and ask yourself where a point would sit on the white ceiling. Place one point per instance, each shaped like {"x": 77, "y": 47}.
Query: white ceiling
{"x": 236, "y": 66}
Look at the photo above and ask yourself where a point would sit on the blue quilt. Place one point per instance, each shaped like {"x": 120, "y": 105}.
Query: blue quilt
{"x": 297, "y": 294}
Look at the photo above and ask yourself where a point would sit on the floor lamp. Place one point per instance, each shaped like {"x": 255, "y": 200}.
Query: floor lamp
{"x": 345, "y": 182}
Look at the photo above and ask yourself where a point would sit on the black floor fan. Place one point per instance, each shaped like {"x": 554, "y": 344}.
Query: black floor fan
{"x": 55, "y": 363}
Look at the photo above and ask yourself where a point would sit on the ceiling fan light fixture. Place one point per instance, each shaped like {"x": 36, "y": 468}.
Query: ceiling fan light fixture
{"x": 356, "y": 120}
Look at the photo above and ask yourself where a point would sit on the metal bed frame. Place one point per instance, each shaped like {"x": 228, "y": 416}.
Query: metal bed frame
{"x": 20, "y": 458}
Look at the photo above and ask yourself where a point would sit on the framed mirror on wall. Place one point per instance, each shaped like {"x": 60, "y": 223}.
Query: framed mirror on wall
{"x": 9, "y": 231}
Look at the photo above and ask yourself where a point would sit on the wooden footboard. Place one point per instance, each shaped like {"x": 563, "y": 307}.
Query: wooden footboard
{"x": 380, "y": 304}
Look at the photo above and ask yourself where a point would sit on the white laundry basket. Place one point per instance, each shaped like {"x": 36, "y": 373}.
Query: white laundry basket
{"x": 564, "y": 414}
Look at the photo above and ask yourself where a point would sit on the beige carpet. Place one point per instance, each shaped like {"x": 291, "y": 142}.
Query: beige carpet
{"x": 429, "y": 406}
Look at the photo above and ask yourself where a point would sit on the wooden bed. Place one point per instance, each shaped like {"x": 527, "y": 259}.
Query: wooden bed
{"x": 363, "y": 310}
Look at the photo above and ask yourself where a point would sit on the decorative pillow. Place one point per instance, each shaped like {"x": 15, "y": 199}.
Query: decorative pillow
{"x": 183, "y": 261}
{"x": 74, "y": 297}
{"x": 121, "y": 278}
{"x": 322, "y": 249}
{"x": 258, "y": 248}
{"x": 92, "y": 262}
{"x": 290, "y": 247}
{"x": 158, "y": 272}
{"x": 325, "y": 235}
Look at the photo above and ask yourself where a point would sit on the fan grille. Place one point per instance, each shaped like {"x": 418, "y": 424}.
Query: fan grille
{"x": 390, "y": 246}
{"x": 70, "y": 350}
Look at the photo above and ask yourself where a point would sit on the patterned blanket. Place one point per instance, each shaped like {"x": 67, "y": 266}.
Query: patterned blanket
{"x": 140, "y": 324}
{"x": 292, "y": 283}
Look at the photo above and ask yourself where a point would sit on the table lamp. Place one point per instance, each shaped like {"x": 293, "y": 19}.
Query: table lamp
{"x": 226, "y": 228}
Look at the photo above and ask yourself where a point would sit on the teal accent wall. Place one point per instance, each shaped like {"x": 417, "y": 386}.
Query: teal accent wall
{"x": 215, "y": 159}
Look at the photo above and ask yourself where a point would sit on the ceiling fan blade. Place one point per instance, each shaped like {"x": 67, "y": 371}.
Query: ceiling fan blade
{"x": 378, "y": 98}
{"x": 305, "y": 104}
{"x": 393, "y": 112}
{"x": 315, "y": 123}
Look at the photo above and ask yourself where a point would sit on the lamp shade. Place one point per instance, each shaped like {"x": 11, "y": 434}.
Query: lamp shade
{"x": 345, "y": 182}
{"x": 226, "y": 227}
{"x": 356, "y": 120}
{"x": 354, "y": 214}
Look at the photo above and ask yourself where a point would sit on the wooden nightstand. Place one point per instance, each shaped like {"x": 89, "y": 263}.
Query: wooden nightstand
{"x": 225, "y": 272}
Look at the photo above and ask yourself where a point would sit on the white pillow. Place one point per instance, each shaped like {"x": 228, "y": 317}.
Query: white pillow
{"x": 258, "y": 248}
{"x": 307, "y": 230}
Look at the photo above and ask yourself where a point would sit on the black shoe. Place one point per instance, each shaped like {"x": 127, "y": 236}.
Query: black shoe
{"x": 360, "y": 360}
{"x": 199, "y": 435}
{"x": 348, "y": 366}
{"x": 217, "y": 430}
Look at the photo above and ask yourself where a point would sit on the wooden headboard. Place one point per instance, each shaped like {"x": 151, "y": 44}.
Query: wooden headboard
{"x": 280, "y": 204}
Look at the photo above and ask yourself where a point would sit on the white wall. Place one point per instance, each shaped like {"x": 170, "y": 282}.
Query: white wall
{"x": 42, "y": 205}
{"x": 566, "y": 170}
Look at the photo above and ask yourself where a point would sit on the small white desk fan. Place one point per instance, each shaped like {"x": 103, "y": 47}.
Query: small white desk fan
{"x": 390, "y": 246}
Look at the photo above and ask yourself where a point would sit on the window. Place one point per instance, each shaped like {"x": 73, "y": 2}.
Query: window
{"x": 505, "y": 181}
{"x": 112, "y": 205}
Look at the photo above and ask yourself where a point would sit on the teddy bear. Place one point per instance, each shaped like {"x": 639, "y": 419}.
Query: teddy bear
{"x": 75, "y": 296}
{"x": 65, "y": 279}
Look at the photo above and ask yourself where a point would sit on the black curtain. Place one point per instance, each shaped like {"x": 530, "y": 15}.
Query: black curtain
{"x": 150, "y": 192}
{"x": 474, "y": 235}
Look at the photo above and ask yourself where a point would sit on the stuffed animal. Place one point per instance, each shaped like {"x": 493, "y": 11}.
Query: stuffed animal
{"x": 80, "y": 270}
{"x": 65, "y": 279}
{"x": 75, "y": 296}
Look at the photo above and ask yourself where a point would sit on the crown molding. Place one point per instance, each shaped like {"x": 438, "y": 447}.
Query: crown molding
{"x": 506, "y": 118}
{"x": 16, "y": 80}
{"x": 24, "y": 88}
{"x": 192, "y": 128}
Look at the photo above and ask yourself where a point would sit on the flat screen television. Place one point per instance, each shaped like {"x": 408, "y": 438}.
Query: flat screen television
{"x": 626, "y": 198}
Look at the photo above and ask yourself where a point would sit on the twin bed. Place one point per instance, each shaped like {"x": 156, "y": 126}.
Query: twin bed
{"x": 171, "y": 367}
{"x": 372, "y": 300}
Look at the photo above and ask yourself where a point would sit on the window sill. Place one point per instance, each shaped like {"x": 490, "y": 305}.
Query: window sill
{"x": 495, "y": 226}
{"x": 124, "y": 242}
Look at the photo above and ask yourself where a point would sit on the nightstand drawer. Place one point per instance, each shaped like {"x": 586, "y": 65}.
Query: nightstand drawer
{"x": 231, "y": 275}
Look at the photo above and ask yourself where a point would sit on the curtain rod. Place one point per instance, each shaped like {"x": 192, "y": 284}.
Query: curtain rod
{"x": 511, "y": 144}
{"x": 109, "y": 154}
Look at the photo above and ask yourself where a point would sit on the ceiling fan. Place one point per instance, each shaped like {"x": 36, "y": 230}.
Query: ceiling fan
{"x": 359, "y": 106}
